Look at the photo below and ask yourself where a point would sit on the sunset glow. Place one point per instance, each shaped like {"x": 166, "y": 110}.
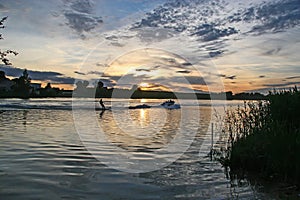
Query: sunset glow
{"x": 143, "y": 85}
{"x": 160, "y": 44}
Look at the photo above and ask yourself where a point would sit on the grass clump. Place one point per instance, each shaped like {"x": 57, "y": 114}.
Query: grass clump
{"x": 264, "y": 137}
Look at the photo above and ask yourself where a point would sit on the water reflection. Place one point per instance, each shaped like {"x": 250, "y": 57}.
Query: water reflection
{"x": 144, "y": 117}
{"x": 101, "y": 113}
{"x": 25, "y": 113}
{"x": 145, "y": 128}
{"x": 42, "y": 157}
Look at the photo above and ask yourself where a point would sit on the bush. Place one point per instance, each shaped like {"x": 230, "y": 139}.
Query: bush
{"x": 264, "y": 137}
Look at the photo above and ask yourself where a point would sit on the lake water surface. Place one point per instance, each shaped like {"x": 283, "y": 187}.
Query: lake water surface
{"x": 45, "y": 153}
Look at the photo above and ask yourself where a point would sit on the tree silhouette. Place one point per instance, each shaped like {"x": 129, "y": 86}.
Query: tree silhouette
{"x": 5, "y": 53}
{"x": 85, "y": 84}
{"x": 22, "y": 86}
{"x": 48, "y": 86}
{"x": 81, "y": 85}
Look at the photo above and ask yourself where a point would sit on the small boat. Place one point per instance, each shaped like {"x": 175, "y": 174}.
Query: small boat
{"x": 170, "y": 104}
{"x": 139, "y": 106}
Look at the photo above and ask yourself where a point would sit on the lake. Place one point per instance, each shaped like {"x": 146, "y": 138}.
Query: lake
{"x": 64, "y": 149}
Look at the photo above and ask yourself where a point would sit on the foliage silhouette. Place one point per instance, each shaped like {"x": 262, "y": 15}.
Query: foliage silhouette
{"x": 264, "y": 138}
{"x": 22, "y": 87}
{"x": 5, "y": 53}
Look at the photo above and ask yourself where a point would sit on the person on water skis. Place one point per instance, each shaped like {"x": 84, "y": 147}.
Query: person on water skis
{"x": 102, "y": 104}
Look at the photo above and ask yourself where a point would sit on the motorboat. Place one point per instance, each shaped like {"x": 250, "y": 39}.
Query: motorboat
{"x": 170, "y": 104}
{"x": 139, "y": 106}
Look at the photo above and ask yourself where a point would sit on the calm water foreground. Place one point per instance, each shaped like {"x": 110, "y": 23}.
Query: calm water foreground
{"x": 43, "y": 155}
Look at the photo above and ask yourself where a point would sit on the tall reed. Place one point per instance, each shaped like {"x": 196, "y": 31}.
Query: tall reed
{"x": 264, "y": 137}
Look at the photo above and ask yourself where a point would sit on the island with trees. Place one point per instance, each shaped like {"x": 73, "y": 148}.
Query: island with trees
{"x": 22, "y": 87}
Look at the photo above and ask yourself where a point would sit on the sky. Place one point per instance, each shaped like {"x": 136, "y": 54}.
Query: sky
{"x": 187, "y": 45}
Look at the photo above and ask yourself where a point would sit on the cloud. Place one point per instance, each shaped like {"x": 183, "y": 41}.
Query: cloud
{"x": 54, "y": 77}
{"x": 213, "y": 54}
{"x": 208, "y": 32}
{"x": 269, "y": 17}
{"x": 172, "y": 18}
{"x": 81, "y": 22}
{"x": 95, "y": 73}
{"x": 81, "y": 6}
{"x": 157, "y": 82}
{"x": 292, "y": 77}
{"x": 127, "y": 79}
{"x": 183, "y": 71}
{"x": 117, "y": 44}
{"x": 221, "y": 75}
{"x": 60, "y": 79}
{"x": 211, "y": 27}
{"x": 154, "y": 34}
{"x": 110, "y": 77}
{"x": 157, "y": 87}
{"x": 272, "y": 52}
{"x": 194, "y": 29}
{"x": 101, "y": 65}
{"x": 3, "y": 8}
{"x": 197, "y": 20}
{"x": 80, "y": 73}
{"x": 89, "y": 72}
{"x": 231, "y": 77}
{"x": 193, "y": 80}
{"x": 112, "y": 37}
{"x": 282, "y": 84}
{"x": 186, "y": 64}
{"x": 80, "y": 17}
{"x": 143, "y": 70}
{"x": 277, "y": 87}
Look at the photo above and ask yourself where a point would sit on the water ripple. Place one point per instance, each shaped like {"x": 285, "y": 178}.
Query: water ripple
{"x": 42, "y": 157}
